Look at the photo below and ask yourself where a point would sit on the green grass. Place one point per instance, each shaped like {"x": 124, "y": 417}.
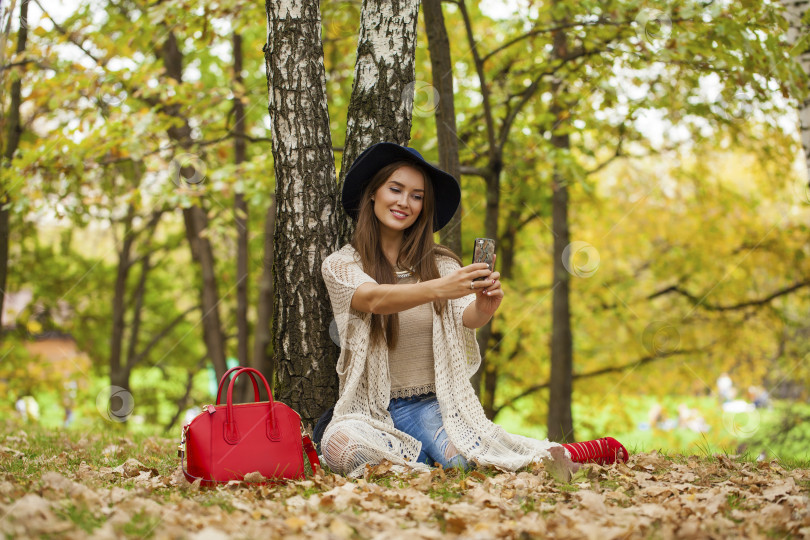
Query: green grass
{"x": 621, "y": 418}
{"x": 64, "y": 451}
{"x": 84, "y": 518}
{"x": 141, "y": 526}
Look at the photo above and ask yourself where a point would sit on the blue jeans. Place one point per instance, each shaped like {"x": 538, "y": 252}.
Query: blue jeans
{"x": 421, "y": 418}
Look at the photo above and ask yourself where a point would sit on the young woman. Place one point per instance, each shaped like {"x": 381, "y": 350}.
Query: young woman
{"x": 406, "y": 311}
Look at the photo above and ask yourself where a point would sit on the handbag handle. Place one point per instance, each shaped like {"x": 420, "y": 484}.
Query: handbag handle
{"x": 231, "y": 434}
{"x": 224, "y": 378}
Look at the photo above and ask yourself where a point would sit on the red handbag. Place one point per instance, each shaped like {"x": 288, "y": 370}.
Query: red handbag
{"x": 226, "y": 442}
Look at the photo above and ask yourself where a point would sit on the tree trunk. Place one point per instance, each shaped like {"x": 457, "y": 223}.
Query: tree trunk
{"x": 441, "y": 65}
{"x": 118, "y": 371}
{"x": 794, "y": 13}
{"x": 560, "y": 419}
{"x": 484, "y": 334}
{"x": 306, "y": 214}
{"x": 240, "y": 209}
{"x": 137, "y": 313}
{"x": 506, "y": 250}
{"x": 382, "y": 94}
{"x": 492, "y": 177}
{"x": 488, "y": 376}
{"x": 12, "y": 142}
{"x": 262, "y": 358}
{"x": 196, "y": 221}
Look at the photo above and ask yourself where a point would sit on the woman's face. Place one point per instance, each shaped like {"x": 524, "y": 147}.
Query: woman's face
{"x": 398, "y": 202}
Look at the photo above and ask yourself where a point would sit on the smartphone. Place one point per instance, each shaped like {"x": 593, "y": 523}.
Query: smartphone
{"x": 484, "y": 251}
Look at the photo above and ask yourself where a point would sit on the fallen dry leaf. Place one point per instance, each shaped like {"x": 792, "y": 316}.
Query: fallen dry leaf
{"x": 651, "y": 496}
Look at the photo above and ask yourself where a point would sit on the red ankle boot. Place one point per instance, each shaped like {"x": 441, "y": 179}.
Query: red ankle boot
{"x": 603, "y": 451}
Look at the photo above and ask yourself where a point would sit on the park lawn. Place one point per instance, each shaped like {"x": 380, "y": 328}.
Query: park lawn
{"x": 108, "y": 484}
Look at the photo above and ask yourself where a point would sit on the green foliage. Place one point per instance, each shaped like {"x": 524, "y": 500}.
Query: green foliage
{"x": 681, "y": 170}
{"x": 785, "y": 433}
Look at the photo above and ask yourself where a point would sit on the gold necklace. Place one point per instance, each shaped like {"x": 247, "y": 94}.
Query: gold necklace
{"x": 403, "y": 273}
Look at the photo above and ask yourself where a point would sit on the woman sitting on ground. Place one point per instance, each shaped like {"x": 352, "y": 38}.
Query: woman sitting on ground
{"x": 406, "y": 311}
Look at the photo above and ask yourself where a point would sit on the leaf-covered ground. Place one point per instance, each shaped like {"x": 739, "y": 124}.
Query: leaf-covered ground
{"x": 59, "y": 485}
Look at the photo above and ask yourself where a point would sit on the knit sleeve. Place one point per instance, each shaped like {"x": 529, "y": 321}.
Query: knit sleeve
{"x": 457, "y": 306}
{"x": 342, "y": 274}
{"x": 446, "y": 266}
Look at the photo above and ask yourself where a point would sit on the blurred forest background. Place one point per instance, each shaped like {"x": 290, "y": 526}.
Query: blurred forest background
{"x": 673, "y": 127}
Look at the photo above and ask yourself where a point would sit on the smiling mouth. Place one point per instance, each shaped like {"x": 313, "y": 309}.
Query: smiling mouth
{"x": 399, "y": 214}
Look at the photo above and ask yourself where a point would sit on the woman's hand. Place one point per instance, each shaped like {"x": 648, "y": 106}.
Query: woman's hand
{"x": 488, "y": 299}
{"x": 460, "y": 282}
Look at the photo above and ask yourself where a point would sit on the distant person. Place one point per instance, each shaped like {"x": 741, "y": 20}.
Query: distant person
{"x": 28, "y": 408}
{"x": 69, "y": 401}
{"x": 406, "y": 311}
{"x": 657, "y": 419}
{"x": 759, "y": 397}
{"x": 725, "y": 388}
{"x": 691, "y": 419}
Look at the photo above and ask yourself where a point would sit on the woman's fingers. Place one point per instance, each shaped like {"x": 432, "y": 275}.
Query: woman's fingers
{"x": 469, "y": 274}
{"x": 494, "y": 289}
{"x": 476, "y": 267}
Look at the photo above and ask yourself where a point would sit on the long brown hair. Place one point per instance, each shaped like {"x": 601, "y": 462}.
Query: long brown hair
{"x": 418, "y": 250}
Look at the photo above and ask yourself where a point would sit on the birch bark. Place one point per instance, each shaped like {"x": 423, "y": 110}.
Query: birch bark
{"x": 306, "y": 216}
{"x": 382, "y": 95}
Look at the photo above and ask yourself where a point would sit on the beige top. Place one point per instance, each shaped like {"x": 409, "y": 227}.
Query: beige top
{"x": 410, "y": 363}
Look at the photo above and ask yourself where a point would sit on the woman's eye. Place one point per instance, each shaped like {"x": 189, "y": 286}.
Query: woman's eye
{"x": 417, "y": 197}
{"x": 394, "y": 190}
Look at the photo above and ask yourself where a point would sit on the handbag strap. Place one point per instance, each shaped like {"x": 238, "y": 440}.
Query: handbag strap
{"x": 312, "y": 455}
{"x": 232, "y": 435}
{"x": 309, "y": 449}
{"x": 223, "y": 380}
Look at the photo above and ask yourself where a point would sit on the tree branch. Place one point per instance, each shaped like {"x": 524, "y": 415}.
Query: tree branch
{"x": 616, "y": 155}
{"x": 601, "y": 371}
{"x": 163, "y": 333}
{"x": 474, "y": 171}
{"x": 183, "y": 401}
{"x": 732, "y": 307}
{"x": 527, "y": 94}
{"x": 17, "y": 64}
{"x": 69, "y": 35}
{"x": 479, "y": 69}
{"x": 601, "y": 21}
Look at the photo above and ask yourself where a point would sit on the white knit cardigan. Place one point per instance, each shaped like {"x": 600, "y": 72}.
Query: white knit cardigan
{"x": 362, "y": 431}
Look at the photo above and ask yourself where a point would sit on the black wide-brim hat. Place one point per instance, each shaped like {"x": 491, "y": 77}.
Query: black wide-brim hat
{"x": 446, "y": 189}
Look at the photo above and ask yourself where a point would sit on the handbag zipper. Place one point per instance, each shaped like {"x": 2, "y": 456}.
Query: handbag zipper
{"x": 210, "y": 409}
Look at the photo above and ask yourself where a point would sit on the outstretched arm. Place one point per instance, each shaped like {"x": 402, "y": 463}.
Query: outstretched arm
{"x": 387, "y": 299}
